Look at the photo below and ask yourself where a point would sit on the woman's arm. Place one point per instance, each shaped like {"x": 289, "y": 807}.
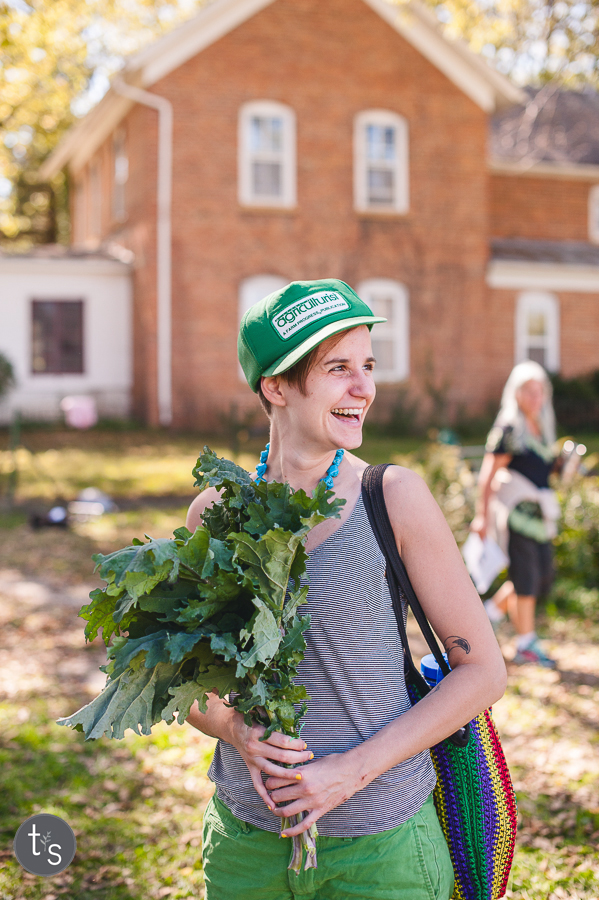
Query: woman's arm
{"x": 197, "y": 507}
{"x": 491, "y": 462}
{"x": 454, "y": 609}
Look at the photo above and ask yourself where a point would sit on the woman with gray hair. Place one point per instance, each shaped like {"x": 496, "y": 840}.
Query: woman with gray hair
{"x": 516, "y": 507}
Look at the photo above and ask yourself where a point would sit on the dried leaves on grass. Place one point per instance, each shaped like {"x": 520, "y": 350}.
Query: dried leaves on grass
{"x": 134, "y": 466}
{"x": 61, "y": 557}
{"x": 135, "y": 806}
{"x": 549, "y": 724}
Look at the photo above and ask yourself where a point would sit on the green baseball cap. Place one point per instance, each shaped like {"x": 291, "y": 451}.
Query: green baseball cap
{"x": 279, "y": 330}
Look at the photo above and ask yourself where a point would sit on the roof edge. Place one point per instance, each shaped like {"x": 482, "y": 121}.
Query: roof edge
{"x": 75, "y": 266}
{"x": 489, "y": 89}
{"x": 172, "y": 50}
{"x": 566, "y": 171}
{"x": 504, "y": 274}
{"x": 86, "y": 136}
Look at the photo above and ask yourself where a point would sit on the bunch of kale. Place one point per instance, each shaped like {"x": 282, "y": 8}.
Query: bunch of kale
{"x": 216, "y": 610}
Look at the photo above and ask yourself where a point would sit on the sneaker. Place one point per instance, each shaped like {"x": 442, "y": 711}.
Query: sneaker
{"x": 533, "y": 655}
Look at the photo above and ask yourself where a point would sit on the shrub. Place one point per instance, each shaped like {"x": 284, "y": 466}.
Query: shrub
{"x": 7, "y": 375}
{"x": 453, "y": 485}
{"x": 576, "y": 588}
{"x": 451, "y": 481}
{"x": 404, "y": 417}
{"x": 576, "y": 402}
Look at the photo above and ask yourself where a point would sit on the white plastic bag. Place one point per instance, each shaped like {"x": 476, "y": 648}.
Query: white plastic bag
{"x": 484, "y": 561}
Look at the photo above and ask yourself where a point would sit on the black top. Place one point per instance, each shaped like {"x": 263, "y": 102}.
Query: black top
{"x": 533, "y": 459}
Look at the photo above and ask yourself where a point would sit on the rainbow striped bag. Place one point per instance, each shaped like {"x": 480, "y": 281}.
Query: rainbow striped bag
{"x": 474, "y": 795}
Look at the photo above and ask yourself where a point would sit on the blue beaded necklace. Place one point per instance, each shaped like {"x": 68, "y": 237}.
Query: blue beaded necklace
{"x": 331, "y": 472}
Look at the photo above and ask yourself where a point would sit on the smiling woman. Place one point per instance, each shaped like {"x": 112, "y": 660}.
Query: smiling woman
{"x": 366, "y": 774}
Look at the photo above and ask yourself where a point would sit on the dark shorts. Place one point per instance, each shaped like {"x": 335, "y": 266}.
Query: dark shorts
{"x": 531, "y": 565}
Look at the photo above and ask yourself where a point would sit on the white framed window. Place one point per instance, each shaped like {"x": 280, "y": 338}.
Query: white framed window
{"x": 381, "y": 164}
{"x": 120, "y": 175}
{"x": 537, "y": 329}
{"x": 255, "y": 288}
{"x": 391, "y": 339}
{"x": 594, "y": 214}
{"x": 267, "y": 154}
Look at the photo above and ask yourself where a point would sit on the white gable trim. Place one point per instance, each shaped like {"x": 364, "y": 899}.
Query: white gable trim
{"x": 521, "y": 275}
{"x": 471, "y": 74}
{"x": 82, "y": 141}
{"x": 31, "y": 265}
{"x": 190, "y": 38}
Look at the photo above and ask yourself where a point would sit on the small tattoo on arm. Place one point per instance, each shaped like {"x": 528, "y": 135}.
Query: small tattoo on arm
{"x": 453, "y": 642}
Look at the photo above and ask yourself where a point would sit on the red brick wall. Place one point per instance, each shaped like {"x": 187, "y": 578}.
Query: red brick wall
{"x": 579, "y": 329}
{"x": 551, "y": 209}
{"x": 500, "y": 308}
{"x": 327, "y": 60}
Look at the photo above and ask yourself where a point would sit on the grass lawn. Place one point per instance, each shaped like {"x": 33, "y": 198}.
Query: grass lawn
{"x": 146, "y": 472}
{"x": 136, "y": 805}
{"x": 132, "y": 464}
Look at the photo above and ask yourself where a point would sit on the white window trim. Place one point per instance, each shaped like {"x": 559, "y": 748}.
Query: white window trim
{"x": 253, "y": 289}
{"x": 399, "y": 330}
{"x": 594, "y": 214}
{"x": 247, "y": 197}
{"x": 548, "y": 304}
{"x": 401, "y": 202}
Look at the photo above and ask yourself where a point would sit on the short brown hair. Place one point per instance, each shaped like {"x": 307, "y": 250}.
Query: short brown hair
{"x": 297, "y": 375}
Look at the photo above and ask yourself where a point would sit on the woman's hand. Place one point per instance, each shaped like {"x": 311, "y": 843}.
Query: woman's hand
{"x": 267, "y": 756}
{"x": 325, "y": 784}
{"x": 479, "y": 525}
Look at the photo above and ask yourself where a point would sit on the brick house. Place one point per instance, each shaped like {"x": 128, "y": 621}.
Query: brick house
{"x": 271, "y": 140}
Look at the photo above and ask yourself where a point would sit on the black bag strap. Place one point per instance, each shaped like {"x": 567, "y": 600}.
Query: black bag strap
{"x": 398, "y": 578}
{"x": 376, "y": 509}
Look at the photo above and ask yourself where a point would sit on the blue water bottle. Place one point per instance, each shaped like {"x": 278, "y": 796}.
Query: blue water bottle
{"x": 432, "y": 674}
{"x": 430, "y": 669}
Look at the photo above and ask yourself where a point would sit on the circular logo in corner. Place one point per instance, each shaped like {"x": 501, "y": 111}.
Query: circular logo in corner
{"x": 45, "y": 844}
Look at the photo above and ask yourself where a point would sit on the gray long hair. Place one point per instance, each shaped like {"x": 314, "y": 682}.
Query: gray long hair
{"x": 510, "y": 412}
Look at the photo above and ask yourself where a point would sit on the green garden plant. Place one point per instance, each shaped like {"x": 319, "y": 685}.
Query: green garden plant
{"x": 576, "y": 589}
{"x": 7, "y": 375}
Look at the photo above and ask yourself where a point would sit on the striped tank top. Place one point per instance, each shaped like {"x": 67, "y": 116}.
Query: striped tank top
{"x": 353, "y": 673}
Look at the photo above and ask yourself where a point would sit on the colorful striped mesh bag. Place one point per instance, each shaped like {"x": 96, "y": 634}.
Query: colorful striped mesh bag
{"x": 474, "y": 795}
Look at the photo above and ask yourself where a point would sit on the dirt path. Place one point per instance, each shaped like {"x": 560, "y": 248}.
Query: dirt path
{"x": 46, "y": 650}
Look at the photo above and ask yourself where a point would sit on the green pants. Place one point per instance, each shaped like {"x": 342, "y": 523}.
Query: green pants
{"x": 410, "y": 862}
